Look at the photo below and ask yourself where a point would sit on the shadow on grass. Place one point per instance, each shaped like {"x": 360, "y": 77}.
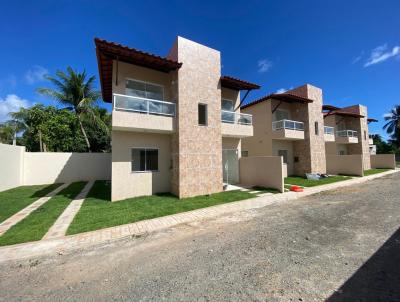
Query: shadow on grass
{"x": 46, "y": 190}
{"x": 378, "y": 279}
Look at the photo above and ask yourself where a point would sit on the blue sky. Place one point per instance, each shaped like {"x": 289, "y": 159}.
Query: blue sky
{"x": 351, "y": 49}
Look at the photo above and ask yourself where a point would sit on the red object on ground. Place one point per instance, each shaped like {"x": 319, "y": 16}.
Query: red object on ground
{"x": 296, "y": 189}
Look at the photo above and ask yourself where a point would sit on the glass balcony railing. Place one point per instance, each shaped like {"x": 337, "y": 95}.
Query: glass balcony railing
{"x": 143, "y": 105}
{"x": 288, "y": 124}
{"x": 236, "y": 118}
{"x": 346, "y": 133}
{"x": 329, "y": 130}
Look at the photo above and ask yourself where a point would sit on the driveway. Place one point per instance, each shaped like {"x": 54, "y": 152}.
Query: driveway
{"x": 342, "y": 245}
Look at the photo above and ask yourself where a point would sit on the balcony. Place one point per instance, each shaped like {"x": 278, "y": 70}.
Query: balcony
{"x": 371, "y": 139}
{"x": 288, "y": 130}
{"x": 347, "y": 137}
{"x": 329, "y": 134}
{"x": 142, "y": 115}
{"x": 236, "y": 124}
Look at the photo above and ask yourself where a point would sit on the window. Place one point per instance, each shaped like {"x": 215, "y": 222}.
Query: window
{"x": 365, "y": 135}
{"x": 341, "y": 152}
{"x": 202, "y": 108}
{"x": 316, "y": 128}
{"x": 245, "y": 153}
{"x": 227, "y": 105}
{"x": 144, "y": 90}
{"x": 284, "y": 154}
{"x": 281, "y": 115}
{"x": 144, "y": 159}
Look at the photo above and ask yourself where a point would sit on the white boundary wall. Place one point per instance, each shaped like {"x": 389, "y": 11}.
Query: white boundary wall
{"x": 345, "y": 164}
{"x": 18, "y": 167}
{"x": 383, "y": 161}
{"x": 264, "y": 171}
{"x": 11, "y": 166}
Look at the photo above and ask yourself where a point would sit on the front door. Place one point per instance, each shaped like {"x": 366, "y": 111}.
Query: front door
{"x": 230, "y": 166}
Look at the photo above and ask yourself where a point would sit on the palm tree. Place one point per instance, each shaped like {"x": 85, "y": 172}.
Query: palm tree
{"x": 7, "y": 132}
{"x": 77, "y": 93}
{"x": 393, "y": 125}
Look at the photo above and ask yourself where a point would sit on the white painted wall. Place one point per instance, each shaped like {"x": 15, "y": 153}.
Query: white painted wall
{"x": 18, "y": 168}
{"x": 11, "y": 166}
{"x": 264, "y": 171}
{"x": 345, "y": 164}
{"x": 49, "y": 167}
{"x": 383, "y": 161}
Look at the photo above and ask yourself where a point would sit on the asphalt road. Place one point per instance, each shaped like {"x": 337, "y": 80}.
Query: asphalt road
{"x": 342, "y": 245}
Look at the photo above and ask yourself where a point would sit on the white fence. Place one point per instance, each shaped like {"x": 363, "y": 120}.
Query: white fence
{"x": 18, "y": 167}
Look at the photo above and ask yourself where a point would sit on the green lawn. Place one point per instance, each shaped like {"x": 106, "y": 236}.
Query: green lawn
{"x": 14, "y": 200}
{"x": 304, "y": 182}
{"x": 98, "y": 212}
{"x": 36, "y": 225}
{"x": 265, "y": 190}
{"x": 374, "y": 171}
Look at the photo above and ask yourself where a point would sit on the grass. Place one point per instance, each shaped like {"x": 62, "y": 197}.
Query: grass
{"x": 304, "y": 182}
{"x": 36, "y": 225}
{"x": 14, "y": 200}
{"x": 98, "y": 212}
{"x": 374, "y": 171}
{"x": 265, "y": 190}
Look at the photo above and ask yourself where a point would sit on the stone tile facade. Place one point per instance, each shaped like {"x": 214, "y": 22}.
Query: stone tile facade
{"x": 196, "y": 149}
{"x": 310, "y": 152}
{"x": 361, "y": 126}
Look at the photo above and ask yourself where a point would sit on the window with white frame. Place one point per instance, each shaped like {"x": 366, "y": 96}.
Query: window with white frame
{"x": 144, "y": 90}
{"x": 144, "y": 159}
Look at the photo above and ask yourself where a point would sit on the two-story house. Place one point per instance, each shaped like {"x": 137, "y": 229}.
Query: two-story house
{"x": 176, "y": 122}
{"x": 290, "y": 125}
{"x": 350, "y": 128}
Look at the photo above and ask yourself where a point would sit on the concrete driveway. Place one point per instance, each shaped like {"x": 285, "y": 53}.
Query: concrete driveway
{"x": 342, "y": 245}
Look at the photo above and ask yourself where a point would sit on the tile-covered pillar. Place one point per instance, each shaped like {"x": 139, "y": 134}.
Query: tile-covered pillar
{"x": 310, "y": 152}
{"x": 197, "y": 150}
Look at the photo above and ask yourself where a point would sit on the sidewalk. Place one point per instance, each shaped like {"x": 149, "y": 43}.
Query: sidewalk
{"x": 52, "y": 246}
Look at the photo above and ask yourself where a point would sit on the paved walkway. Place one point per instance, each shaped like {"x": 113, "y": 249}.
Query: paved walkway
{"x": 59, "y": 228}
{"x": 59, "y": 245}
{"x": 13, "y": 220}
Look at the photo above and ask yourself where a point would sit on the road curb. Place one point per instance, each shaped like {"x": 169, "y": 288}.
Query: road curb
{"x": 98, "y": 237}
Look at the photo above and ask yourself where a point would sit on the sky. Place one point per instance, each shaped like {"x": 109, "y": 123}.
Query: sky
{"x": 350, "y": 49}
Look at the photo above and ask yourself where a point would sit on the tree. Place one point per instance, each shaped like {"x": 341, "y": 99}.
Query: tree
{"x": 7, "y": 132}
{"x": 382, "y": 147}
{"x": 393, "y": 125}
{"x": 75, "y": 91}
{"x": 47, "y": 128}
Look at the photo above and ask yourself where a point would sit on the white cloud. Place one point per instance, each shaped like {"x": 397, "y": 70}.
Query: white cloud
{"x": 283, "y": 90}
{"x": 35, "y": 74}
{"x": 381, "y": 54}
{"x": 264, "y": 65}
{"x": 358, "y": 58}
{"x": 11, "y": 103}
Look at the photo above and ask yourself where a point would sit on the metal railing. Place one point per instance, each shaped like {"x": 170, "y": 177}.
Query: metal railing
{"x": 143, "y": 105}
{"x": 329, "y": 130}
{"x": 347, "y": 133}
{"x": 236, "y": 118}
{"x": 288, "y": 124}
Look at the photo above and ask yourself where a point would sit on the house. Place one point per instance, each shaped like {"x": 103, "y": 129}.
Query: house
{"x": 290, "y": 125}
{"x": 176, "y": 122}
{"x": 350, "y": 126}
